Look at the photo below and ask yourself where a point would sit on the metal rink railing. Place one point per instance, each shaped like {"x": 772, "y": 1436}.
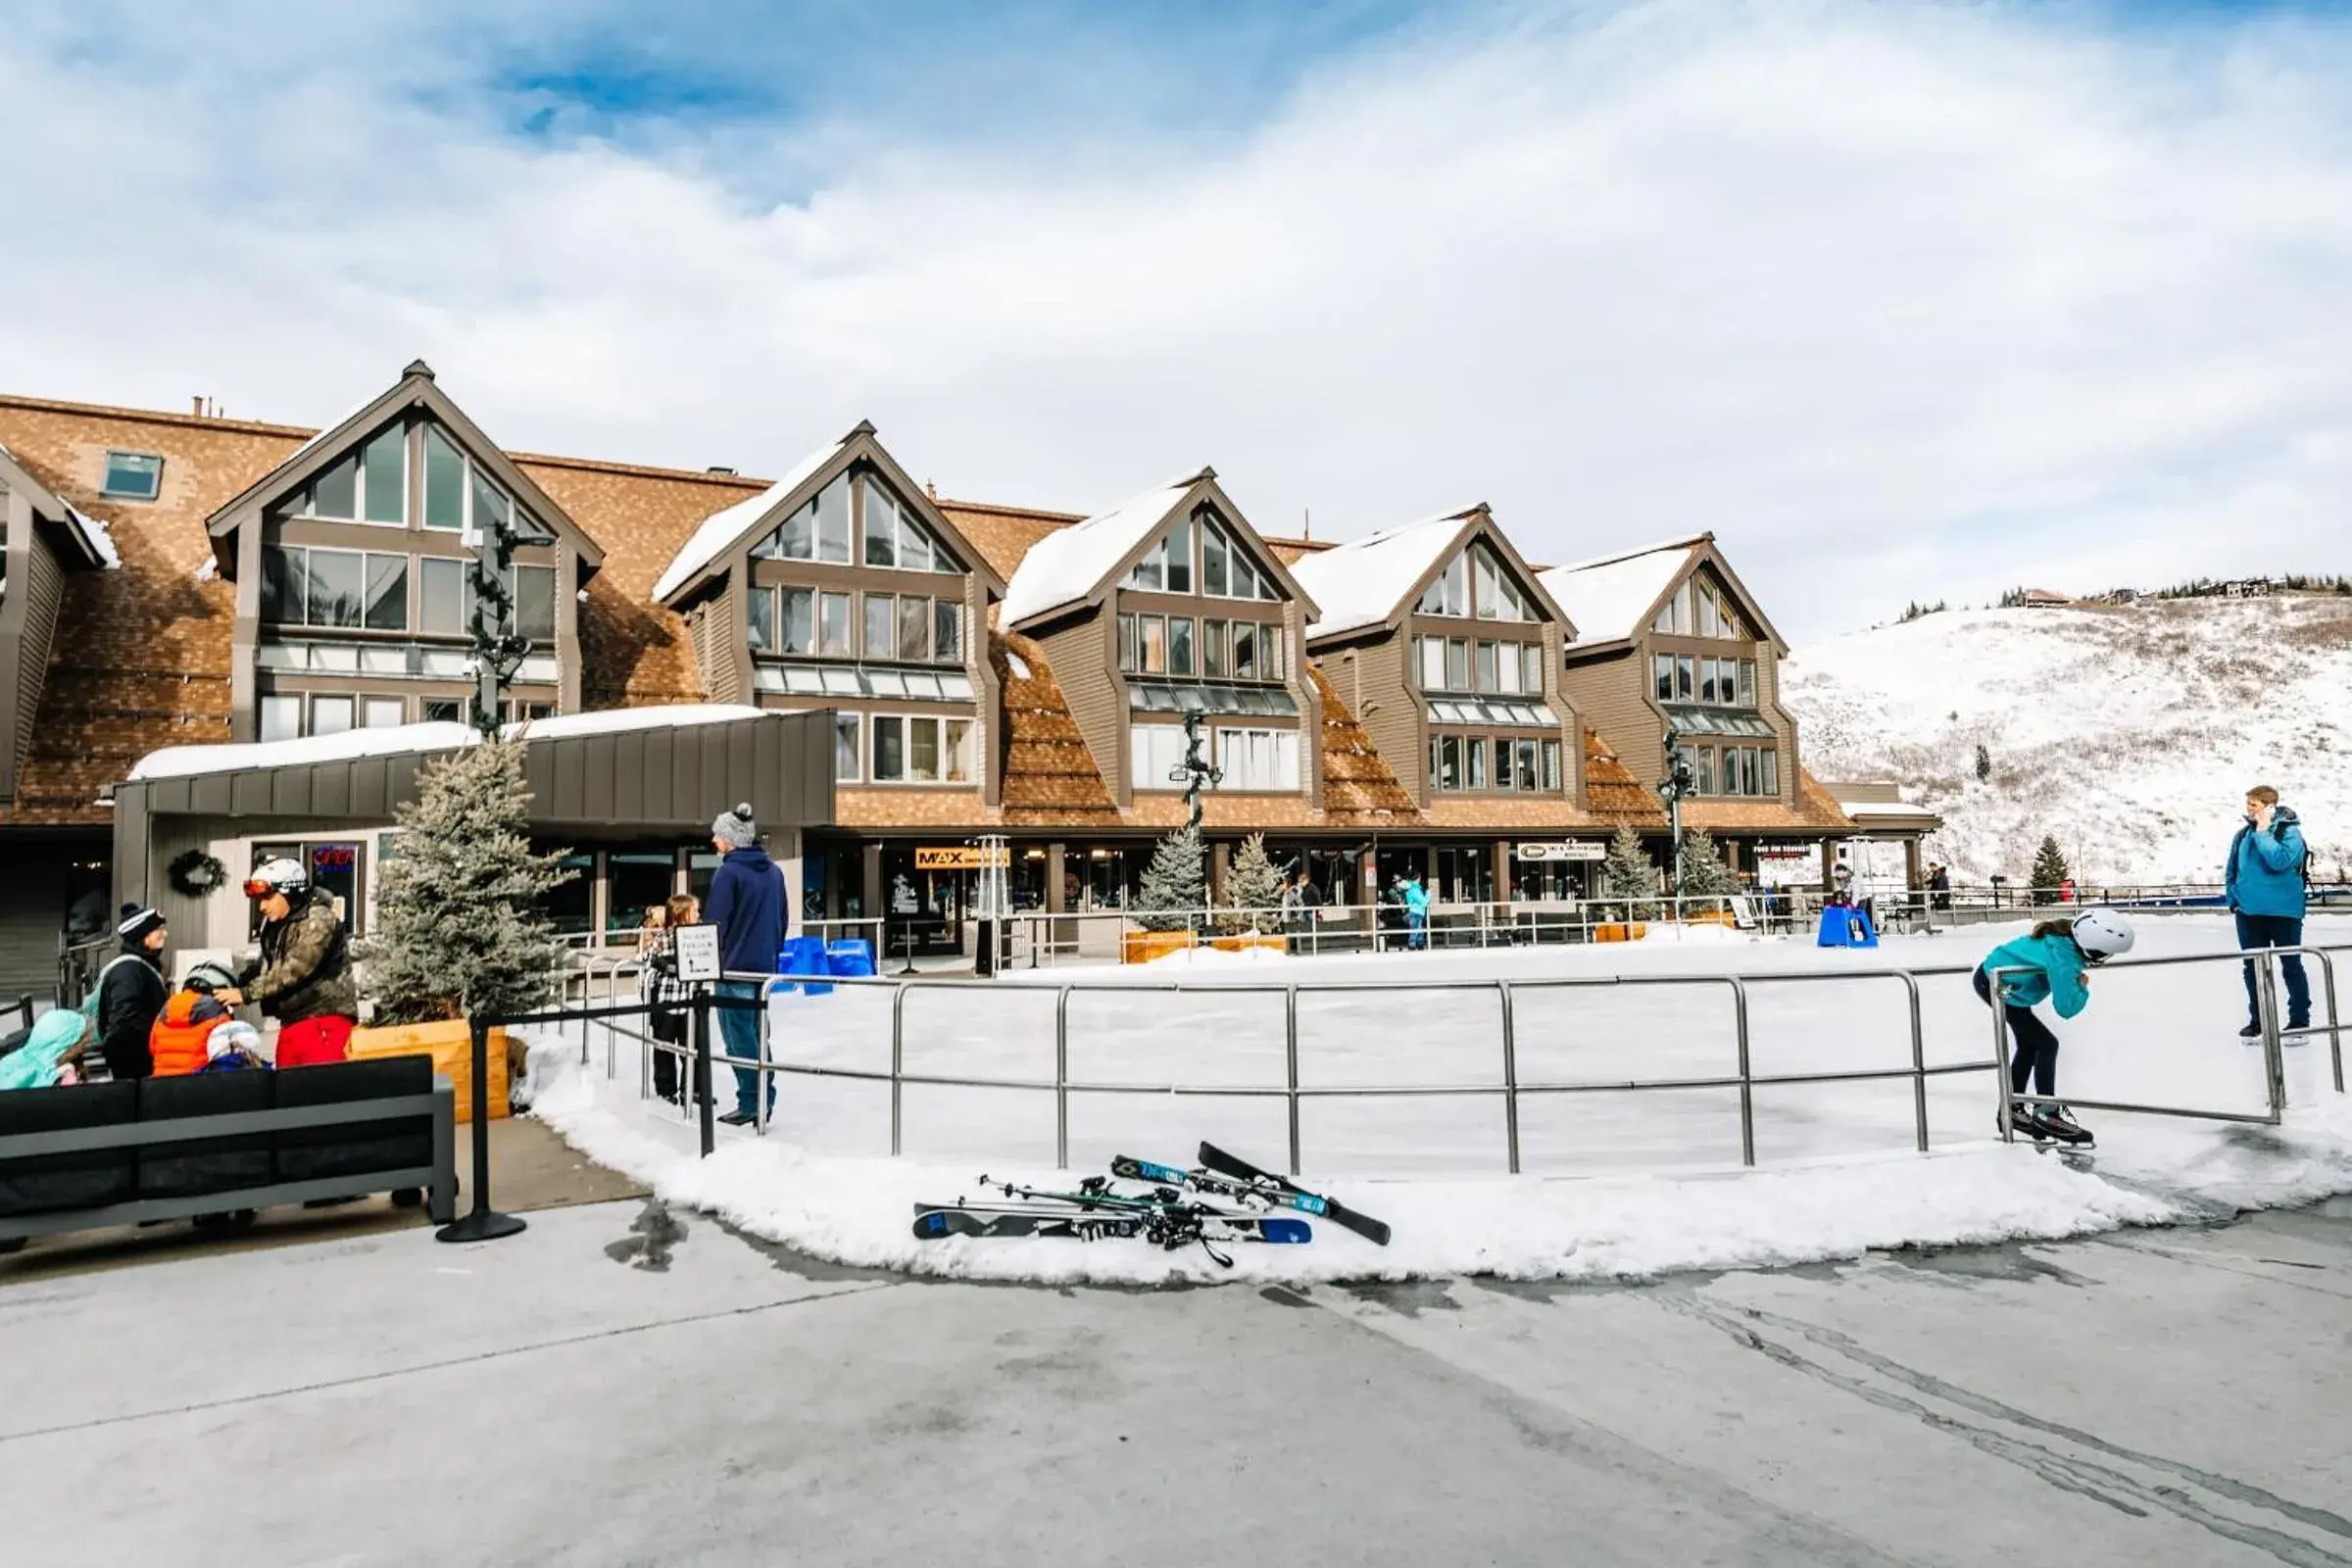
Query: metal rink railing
{"x": 1510, "y": 1090}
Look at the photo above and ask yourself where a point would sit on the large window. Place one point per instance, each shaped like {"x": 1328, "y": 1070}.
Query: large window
{"x": 1180, "y": 645}
{"x": 1723, "y": 682}
{"x": 1225, "y": 569}
{"x": 1475, "y": 582}
{"x": 1167, "y": 567}
{"x": 760, "y": 619}
{"x": 444, "y": 482}
{"x": 1750, "y": 770}
{"x": 1701, "y": 608}
{"x": 280, "y": 718}
{"x": 334, "y": 588}
{"x": 534, "y": 590}
{"x": 1156, "y": 756}
{"x": 1257, "y": 758}
{"x": 916, "y": 750}
{"x": 132, "y": 477}
{"x": 881, "y": 626}
{"x": 833, "y": 625}
{"x": 1519, "y": 763}
{"x": 893, "y": 538}
{"x": 368, "y": 485}
{"x": 442, "y": 598}
{"x": 846, "y": 731}
{"x": 817, "y": 531}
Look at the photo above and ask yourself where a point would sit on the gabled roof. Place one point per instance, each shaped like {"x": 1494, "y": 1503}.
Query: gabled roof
{"x": 1076, "y": 564}
{"x": 723, "y": 530}
{"x": 83, "y": 538}
{"x": 1369, "y": 582}
{"x": 415, "y": 388}
{"x": 1610, "y": 598}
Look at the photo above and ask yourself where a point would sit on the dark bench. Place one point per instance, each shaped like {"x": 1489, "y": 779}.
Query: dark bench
{"x": 91, "y": 1155}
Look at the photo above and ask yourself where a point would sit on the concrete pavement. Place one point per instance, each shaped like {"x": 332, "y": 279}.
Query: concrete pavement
{"x": 621, "y": 1385}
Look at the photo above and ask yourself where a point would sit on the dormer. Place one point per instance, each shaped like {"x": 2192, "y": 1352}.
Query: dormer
{"x": 842, "y": 586}
{"x": 1167, "y": 604}
{"x": 1445, "y": 645}
{"x": 43, "y": 538}
{"x": 351, "y": 563}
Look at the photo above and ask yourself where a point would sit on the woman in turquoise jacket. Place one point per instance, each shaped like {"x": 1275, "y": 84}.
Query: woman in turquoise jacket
{"x": 2050, "y": 963}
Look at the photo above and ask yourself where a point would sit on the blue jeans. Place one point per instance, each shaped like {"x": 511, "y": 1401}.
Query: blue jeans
{"x": 2278, "y": 931}
{"x": 739, "y": 1032}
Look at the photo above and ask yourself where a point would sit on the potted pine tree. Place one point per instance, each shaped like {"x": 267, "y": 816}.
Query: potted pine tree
{"x": 1255, "y": 891}
{"x": 1627, "y": 882}
{"x": 458, "y": 925}
{"x": 1168, "y": 900}
{"x": 1704, "y": 875}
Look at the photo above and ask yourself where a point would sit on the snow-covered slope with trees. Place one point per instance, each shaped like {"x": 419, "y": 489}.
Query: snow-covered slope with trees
{"x": 2128, "y": 731}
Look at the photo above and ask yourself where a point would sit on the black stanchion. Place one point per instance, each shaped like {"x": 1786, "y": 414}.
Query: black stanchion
{"x": 702, "y": 1068}
{"x": 484, "y": 1223}
{"x": 984, "y": 949}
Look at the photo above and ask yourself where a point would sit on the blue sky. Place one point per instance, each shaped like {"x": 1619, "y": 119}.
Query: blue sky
{"x": 1902, "y": 301}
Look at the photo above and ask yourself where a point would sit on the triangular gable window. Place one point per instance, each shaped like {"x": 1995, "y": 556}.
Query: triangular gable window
{"x": 895, "y": 538}
{"x": 459, "y": 497}
{"x": 1701, "y": 607}
{"x": 1227, "y": 570}
{"x": 1475, "y": 584}
{"x": 819, "y": 530}
{"x": 1167, "y": 567}
{"x": 368, "y": 484}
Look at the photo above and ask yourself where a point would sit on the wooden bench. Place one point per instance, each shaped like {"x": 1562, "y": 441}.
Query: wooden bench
{"x": 92, "y": 1156}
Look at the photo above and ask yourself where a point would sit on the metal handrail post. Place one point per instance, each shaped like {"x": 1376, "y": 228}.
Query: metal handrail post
{"x": 1919, "y": 1061}
{"x": 1290, "y": 1029}
{"x": 2335, "y": 1033}
{"x": 897, "y": 1068}
{"x": 1061, "y": 1079}
{"x": 1747, "y": 1088}
{"x": 2266, "y": 1001}
{"x": 1510, "y": 1077}
{"x": 2001, "y": 1053}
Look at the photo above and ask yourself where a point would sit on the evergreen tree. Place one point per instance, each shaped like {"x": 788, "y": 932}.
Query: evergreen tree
{"x": 1704, "y": 875}
{"x": 2049, "y": 870}
{"x": 458, "y": 926}
{"x": 1255, "y": 885}
{"x": 1983, "y": 762}
{"x": 1173, "y": 887}
{"x": 1628, "y": 879}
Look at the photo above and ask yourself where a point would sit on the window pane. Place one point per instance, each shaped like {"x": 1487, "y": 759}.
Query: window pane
{"x": 1432, "y": 596}
{"x": 1154, "y": 632}
{"x": 1665, "y": 677}
{"x": 1212, "y": 559}
{"x": 957, "y": 750}
{"x": 795, "y": 538}
{"x": 1685, "y": 679}
{"x": 833, "y": 624}
{"x": 1457, "y": 665}
{"x": 890, "y": 747}
{"x": 1482, "y": 572}
{"x": 1450, "y": 762}
{"x": 387, "y": 593}
{"x": 1245, "y": 650}
{"x": 845, "y": 747}
{"x": 1180, "y": 557}
{"x": 1180, "y": 645}
{"x": 1476, "y": 770}
{"x": 444, "y": 482}
{"x": 490, "y": 508}
{"x": 1772, "y": 773}
{"x": 1551, "y": 767}
{"x": 1707, "y": 680}
{"x": 281, "y": 717}
{"x": 535, "y": 603}
{"x": 947, "y": 632}
{"x": 1703, "y": 765}
{"x": 1524, "y": 759}
{"x": 833, "y": 522}
{"x": 881, "y": 528}
{"x": 134, "y": 474}
{"x": 382, "y": 713}
{"x": 335, "y": 584}
{"x": 1531, "y": 669}
{"x": 1433, "y": 664}
{"x": 441, "y": 596}
{"x": 1270, "y": 647}
{"x": 1214, "y": 661}
{"x": 1747, "y": 683}
{"x": 914, "y": 626}
{"x": 760, "y": 619}
{"x": 800, "y": 620}
{"x": 1147, "y": 573}
{"x": 385, "y": 463}
{"x": 441, "y": 710}
{"x": 1487, "y": 672}
{"x": 1127, "y": 644}
{"x": 284, "y": 586}
{"x": 330, "y": 715}
{"x": 881, "y": 626}
{"x": 334, "y": 493}
{"x": 922, "y": 749}
{"x": 1457, "y": 586}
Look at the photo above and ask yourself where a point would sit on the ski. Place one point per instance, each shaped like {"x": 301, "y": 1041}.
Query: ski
{"x": 1169, "y": 1227}
{"x": 1339, "y": 1213}
{"x": 1129, "y": 1168}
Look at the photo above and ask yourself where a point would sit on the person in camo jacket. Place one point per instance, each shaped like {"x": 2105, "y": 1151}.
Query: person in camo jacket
{"x": 302, "y": 977}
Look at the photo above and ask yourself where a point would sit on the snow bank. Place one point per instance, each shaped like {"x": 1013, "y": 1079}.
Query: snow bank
{"x": 1217, "y": 959}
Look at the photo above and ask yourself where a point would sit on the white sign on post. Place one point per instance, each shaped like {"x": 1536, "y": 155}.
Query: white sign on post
{"x": 1570, "y": 849}
{"x": 698, "y": 953}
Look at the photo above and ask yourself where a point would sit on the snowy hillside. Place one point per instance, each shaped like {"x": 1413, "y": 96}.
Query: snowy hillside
{"x": 2132, "y": 732}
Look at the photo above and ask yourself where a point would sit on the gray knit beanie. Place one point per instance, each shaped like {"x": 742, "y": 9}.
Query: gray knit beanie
{"x": 734, "y": 828}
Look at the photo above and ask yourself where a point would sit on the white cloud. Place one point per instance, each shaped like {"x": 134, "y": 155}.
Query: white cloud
{"x": 1899, "y": 302}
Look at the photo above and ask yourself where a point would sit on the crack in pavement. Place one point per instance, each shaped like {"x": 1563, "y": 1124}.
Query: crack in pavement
{"x": 2100, "y": 1483}
{"x": 324, "y": 1385}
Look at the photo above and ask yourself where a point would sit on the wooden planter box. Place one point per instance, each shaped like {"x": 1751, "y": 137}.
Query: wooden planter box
{"x": 1249, "y": 939}
{"x": 1142, "y": 946}
{"x": 1621, "y": 931}
{"x": 450, "y": 1043}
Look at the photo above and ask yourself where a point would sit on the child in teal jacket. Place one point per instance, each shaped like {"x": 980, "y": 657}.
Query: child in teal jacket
{"x": 2050, "y": 963}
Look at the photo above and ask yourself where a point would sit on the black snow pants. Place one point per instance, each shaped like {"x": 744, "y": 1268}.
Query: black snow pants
{"x": 2036, "y": 1056}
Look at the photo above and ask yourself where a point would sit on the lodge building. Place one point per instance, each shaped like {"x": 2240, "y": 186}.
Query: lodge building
{"x": 1424, "y": 699}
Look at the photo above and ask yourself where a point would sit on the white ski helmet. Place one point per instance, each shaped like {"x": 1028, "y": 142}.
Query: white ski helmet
{"x": 2102, "y": 934}
{"x": 279, "y": 875}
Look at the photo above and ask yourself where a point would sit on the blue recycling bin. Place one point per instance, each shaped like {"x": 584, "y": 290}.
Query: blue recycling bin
{"x": 805, "y": 955}
{"x": 850, "y": 958}
{"x": 1848, "y": 926}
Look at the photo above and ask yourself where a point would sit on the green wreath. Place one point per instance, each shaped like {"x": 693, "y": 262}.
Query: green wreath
{"x": 197, "y": 875}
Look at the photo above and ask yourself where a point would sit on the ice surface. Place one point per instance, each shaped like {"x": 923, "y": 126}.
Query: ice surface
{"x": 1621, "y": 1183}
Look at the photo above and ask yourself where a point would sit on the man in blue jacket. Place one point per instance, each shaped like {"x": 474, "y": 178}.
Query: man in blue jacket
{"x": 2266, "y": 886}
{"x": 747, "y": 904}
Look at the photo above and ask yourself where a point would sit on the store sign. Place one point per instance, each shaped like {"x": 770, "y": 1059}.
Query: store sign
{"x": 962, "y": 857}
{"x": 1570, "y": 849}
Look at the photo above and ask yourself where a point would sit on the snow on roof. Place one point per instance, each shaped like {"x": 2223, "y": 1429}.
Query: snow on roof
{"x": 724, "y": 526}
{"x": 1361, "y": 583}
{"x": 1884, "y": 808}
{"x": 1066, "y": 564}
{"x": 182, "y": 762}
{"x": 1607, "y": 599}
{"x": 93, "y": 533}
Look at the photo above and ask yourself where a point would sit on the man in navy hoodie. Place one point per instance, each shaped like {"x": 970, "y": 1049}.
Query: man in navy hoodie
{"x": 747, "y": 904}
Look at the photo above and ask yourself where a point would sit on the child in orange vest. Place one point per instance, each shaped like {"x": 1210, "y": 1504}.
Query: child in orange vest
{"x": 181, "y": 1039}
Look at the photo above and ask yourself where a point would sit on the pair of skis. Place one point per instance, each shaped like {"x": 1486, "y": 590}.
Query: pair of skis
{"x": 1166, "y": 1216}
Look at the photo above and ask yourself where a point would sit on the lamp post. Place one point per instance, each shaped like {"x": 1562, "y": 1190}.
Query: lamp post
{"x": 498, "y": 650}
{"x": 1195, "y": 770}
{"x": 1679, "y": 781}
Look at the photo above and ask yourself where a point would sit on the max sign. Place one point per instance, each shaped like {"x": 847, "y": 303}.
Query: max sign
{"x": 962, "y": 857}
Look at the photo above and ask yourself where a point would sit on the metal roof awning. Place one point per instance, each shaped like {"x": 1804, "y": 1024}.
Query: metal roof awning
{"x": 1491, "y": 711}
{"x": 1718, "y": 722}
{"x": 1150, "y": 696}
